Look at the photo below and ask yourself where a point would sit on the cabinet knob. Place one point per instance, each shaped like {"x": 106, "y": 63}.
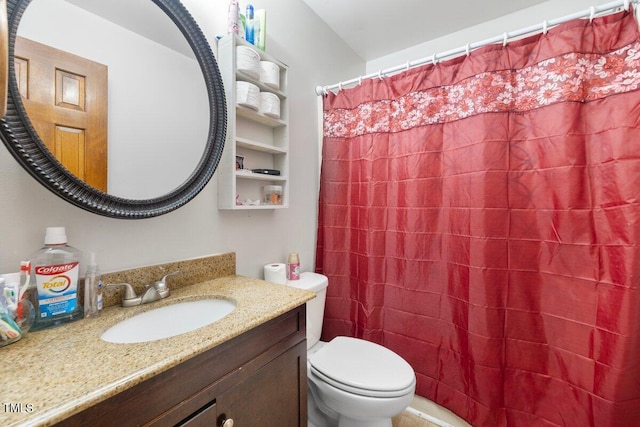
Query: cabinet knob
{"x": 227, "y": 423}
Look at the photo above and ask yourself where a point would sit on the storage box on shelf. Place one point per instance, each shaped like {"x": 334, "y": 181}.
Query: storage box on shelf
{"x": 262, "y": 140}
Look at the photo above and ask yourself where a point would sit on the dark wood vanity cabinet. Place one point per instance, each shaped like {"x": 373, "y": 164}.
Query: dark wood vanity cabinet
{"x": 256, "y": 379}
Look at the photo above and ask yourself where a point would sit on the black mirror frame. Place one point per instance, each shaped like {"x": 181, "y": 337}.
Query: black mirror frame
{"x": 27, "y": 148}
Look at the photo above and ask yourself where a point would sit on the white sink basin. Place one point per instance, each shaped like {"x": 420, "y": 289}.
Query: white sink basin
{"x": 168, "y": 321}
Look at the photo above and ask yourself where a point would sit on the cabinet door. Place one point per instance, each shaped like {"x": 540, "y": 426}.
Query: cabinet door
{"x": 276, "y": 395}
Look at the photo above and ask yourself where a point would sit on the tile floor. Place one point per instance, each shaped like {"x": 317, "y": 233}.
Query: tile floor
{"x": 407, "y": 419}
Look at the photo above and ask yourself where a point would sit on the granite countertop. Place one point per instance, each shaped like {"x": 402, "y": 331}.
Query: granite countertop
{"x": 52, "y": 374}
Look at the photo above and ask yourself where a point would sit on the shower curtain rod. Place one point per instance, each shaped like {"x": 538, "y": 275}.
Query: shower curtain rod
{"x": 504, "y": 38}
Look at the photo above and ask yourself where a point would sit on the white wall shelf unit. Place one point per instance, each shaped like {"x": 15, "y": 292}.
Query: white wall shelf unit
{"x": 262, "y": 141}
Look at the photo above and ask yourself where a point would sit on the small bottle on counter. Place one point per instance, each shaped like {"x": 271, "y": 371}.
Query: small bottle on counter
{"x": 92, "y": 289}
{"x": 293, "y": 267}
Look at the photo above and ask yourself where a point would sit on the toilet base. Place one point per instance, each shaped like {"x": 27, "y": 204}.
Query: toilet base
{"x": 346, "y": 422}
{"x": 320, "y": 415}
{"x": 318, "y": 419}
{"x": 315, "y": 416}
{"x": 383, "y": 424}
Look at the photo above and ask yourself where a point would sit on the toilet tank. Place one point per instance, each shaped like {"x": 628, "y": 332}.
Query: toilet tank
{"x": 315, "y": 308}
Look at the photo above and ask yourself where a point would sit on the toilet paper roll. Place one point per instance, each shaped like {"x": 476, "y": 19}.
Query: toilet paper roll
{"x": 276, "y": 272}
{"x": 270, "y": 74}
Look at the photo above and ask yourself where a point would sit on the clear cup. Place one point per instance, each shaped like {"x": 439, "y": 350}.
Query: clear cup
{"x": 25, "y": 315}
{"x": 272, "y": 195}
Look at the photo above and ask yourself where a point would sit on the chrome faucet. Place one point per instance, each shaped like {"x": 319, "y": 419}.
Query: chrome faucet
{"x": 153, "y": 292}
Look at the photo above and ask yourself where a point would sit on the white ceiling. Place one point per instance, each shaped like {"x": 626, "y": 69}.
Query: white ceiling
{"x": 375, "y": 28}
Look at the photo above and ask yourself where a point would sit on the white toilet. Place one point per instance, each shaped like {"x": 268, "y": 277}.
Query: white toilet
{"x": 352, "y": 382}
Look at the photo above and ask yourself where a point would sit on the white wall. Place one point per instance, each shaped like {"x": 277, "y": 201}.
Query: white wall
{"x": 199, "y": 228}
{"x": 549, "y": 10}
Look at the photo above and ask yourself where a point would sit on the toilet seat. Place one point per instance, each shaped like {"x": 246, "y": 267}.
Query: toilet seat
{"x": 363, "y": 368}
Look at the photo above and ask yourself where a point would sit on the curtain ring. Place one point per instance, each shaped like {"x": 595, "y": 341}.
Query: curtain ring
{"x": 380, "y": 74}
{"x": 406, "y": 66}
{"x": 468, "y": 49}
{"x": 340, "y": 87}
{"x": 544, "y": 27}
{"x": 626, "y": 5}
{"x": 592, "y": 14}
{"x": 434, "y": 60}
{"x": 325, "y": 92}
{"x": 359, "y": 80}
{"x": 504, "y": 41}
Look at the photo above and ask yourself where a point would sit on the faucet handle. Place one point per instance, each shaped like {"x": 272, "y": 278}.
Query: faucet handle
{"x": 161, "y": 285}
{"x": 173, "y": 273}
{"x": 129, "y": 293}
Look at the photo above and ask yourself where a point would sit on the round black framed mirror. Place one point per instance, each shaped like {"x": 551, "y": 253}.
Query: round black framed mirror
{"x": 26, "y": 146}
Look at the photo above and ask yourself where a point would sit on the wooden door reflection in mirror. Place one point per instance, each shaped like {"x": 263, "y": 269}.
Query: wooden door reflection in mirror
{"x": 65, "y": 96}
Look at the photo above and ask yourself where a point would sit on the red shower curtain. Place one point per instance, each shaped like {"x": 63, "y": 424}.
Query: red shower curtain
{"x": 480, "y": 218}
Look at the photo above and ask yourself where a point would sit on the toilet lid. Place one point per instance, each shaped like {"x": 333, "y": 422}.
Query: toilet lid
{"x": 362, "y": 367}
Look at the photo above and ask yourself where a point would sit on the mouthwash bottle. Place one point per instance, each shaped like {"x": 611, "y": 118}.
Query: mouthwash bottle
{"x": 53, "y": 290}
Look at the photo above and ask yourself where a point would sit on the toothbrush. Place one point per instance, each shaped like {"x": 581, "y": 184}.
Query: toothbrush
{"x": 11, "y": 297}
{"x": 25, "y": 271}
